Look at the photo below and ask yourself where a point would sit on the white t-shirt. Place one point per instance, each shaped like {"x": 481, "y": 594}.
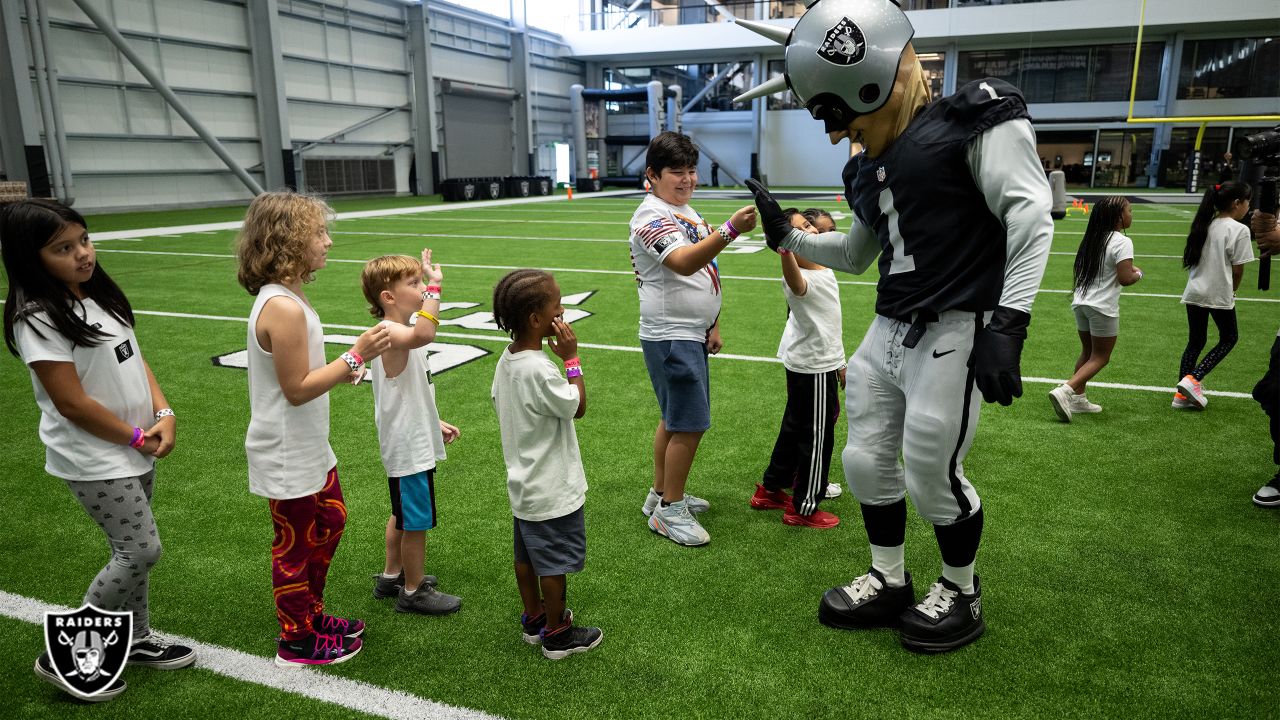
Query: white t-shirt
{"x": 404, "y": 408}
{"x": 1209, "y": 281}
{"x": 535, "y": 407}
{"x": 1103, "y": 294}
{"x": 812, "y": 340}
{"x": 287, "y": 446}
{"x": 672, "y": 306}
{"x": 112, "y": 373}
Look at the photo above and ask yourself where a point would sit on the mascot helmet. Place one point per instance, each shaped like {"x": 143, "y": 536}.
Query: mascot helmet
{"x": 841, "y": 58}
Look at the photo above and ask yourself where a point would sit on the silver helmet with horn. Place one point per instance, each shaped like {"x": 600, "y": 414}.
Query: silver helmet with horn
{"x": 841, "y": 58}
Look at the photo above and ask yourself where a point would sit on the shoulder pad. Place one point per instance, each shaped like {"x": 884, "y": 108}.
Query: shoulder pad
{"x": 985, "y": 103}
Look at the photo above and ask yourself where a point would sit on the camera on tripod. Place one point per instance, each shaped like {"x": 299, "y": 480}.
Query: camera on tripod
{"x": 1261, "y": 155}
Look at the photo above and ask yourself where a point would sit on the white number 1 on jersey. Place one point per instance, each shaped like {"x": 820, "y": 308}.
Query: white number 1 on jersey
{"x": 902, "y": 262}
{"x": 990, "y": 90}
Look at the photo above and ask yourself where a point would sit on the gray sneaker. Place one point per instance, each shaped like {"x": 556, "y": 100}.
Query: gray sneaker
{"x": 676, "y": 523}
{"x": 427, "y": 600}
{"x": 384, "y": 587}
{"x": 696, "y": 504}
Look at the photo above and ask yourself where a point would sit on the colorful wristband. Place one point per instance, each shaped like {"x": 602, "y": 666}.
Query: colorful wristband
{"x": 573, "y": 372}
{"x": 429, "y": 294}
{"x": 433, "y": 289}
{"x": 164, "y": 413}
{"x": 429, "y": 316}
{"x": 139, "y": 439}
{"x": 573, "y": 362}
{"x": 357, "y": 356}
{"x": 350, "y": 358}
{"x": 728, "y": 231}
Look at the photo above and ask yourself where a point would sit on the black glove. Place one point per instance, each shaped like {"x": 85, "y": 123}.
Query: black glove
{"x": 996, "y": 352}
{"x": 775, "y": 224}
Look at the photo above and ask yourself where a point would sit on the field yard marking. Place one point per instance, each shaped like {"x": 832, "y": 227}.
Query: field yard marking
{"x": 631, "y": 349}
{"x": 313, "y": 684}
{"x": 866, "y": 283}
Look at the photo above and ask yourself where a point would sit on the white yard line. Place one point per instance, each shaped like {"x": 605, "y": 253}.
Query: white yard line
{"x": 306, "y": 682}
{"x": 864, "y": 283}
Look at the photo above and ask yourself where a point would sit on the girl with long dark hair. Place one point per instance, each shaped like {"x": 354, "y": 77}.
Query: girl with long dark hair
{"x": 1218, "y": 247}
{"x": 1104, "y": 263}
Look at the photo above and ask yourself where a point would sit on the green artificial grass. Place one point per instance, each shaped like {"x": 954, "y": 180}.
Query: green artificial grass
{"x": 1125, "y": 572}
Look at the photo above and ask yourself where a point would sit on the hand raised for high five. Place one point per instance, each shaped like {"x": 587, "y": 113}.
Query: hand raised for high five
{"x": 775, "y": 224}
{"x": 431, "y": 274}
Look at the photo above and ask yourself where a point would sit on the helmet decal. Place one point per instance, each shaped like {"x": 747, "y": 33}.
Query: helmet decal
{"x": 844, "y": 44}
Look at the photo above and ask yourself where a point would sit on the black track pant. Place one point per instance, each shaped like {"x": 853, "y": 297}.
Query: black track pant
{"x": 1267, "y": 393}
{"x": 1198, "y": 326}
{"x": 802, "y": 454}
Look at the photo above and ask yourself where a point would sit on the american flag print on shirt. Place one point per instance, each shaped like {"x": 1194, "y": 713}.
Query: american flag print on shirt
{"x": 655, "y": 233}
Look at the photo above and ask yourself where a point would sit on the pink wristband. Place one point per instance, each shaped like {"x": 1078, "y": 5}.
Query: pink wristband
{"x": 573, "y": 363}
{"x": 139, "y": 439}
{"x": 433, "y": 289}
{"x": 728, "y": 231}
{"x": 356, "y": 355}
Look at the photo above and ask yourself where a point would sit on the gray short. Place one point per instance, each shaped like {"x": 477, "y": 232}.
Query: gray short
{"x": 678, "y": 371}
{"x": 553, "y": 547}
{"x": 1095, "y": 323}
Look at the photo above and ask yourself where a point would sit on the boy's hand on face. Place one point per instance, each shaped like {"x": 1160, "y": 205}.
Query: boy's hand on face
{"x": 565, "y": 343}
{"x": 431, "y": 274}
{"x": 745, "y": 219}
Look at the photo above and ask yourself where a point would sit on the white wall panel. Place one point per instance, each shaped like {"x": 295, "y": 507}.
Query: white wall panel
{"x": 84, "y": 54}
{"x": 795, "y": 151}
{"x": 200, "y": 20}
{"x": 97, "y": 155}
{"x": 379, "y": 51}
{"x": 338, "y": 44}
{"x": 467, "y": 67}
{"x": 375, "y": 88}
{"x": 196, "y": 67}
{"x": 302, "y": 37}
{"x": 89, "y": 109}
{"x": 306, "y": 80}
{"x": 312, "y": 122}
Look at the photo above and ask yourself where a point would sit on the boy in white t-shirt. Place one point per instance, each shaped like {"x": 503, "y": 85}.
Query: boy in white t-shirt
{"x": 673, "y": 252}
{"x": 545, "y": 480}
{"x": 411, "y": 434}
{"x": 1218, "y": 247}
{"x": 812, "y": 353}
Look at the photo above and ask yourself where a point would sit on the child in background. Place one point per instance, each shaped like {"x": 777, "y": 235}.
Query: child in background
{"x": 103, "y": 418}
{"x": 813, "y": 355}
{"x": 545, "y": 480}
{"x": 1104, "y": 264}
{"x": 820, "y": 219}
{"x": 673, "y": 252}
{"x": 284, "y": 241}
{"x": 411, "y": 434}
{"x": 1218, "y": 247}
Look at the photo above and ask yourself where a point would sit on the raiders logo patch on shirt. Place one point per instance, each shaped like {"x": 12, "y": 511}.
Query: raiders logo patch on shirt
{"x": 844, "y": 44}
{"x": 124, "y": 351}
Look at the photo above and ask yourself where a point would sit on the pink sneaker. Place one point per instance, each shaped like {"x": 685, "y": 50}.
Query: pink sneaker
{"x": 317, "y": 649}
{"x": 337, "y": 625}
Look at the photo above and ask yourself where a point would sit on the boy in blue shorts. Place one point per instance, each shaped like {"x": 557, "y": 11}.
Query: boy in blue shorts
{"x": 410, "y": 432}
{"x": 673, "y": 251}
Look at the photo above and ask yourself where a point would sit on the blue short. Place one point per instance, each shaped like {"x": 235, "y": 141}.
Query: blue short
{"x": 413, "y": 500}
{"x": 682, "y": 382}
{"x": 552, "y": 547}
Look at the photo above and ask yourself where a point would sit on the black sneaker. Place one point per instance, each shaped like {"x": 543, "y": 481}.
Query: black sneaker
{"x": 44, "y": 670}
{"x": 316, "y": 649}
{"x": 569, "y": 640}
{"x": 945, "y": 619}
{"x": 156, "y": 652}
{"x": 384, "y": 588}
{"x": 867, "y": 602}
{"x": 427, "y": 600}
{"x": 533, "y": 626}
{"x": 1268, "y": 495}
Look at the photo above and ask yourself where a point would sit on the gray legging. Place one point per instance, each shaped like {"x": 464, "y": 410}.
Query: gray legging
{"x": 122, "y": 508}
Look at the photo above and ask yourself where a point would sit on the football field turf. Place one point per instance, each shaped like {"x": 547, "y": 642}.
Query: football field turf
{"x": 1125, "y": 572}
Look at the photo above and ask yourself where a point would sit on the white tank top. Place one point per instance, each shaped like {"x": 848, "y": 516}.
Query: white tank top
{"x": 404, "y": 408}
{"x": 288, "y": 446}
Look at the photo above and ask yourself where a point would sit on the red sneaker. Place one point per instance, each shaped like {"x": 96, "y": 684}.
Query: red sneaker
{"x": 770, "y": 499}
{"x": 820, "y": 519}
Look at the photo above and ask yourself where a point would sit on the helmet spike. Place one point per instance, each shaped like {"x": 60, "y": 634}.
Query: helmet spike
{"x": 773, "y": 32}
{"x": 768, "y": 87}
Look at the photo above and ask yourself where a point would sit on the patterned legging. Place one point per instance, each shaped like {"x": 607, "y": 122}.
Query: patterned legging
{"x": 307, "y": 531}
{"x": 122, "y": 508}
{"x": 1198, "y": 324}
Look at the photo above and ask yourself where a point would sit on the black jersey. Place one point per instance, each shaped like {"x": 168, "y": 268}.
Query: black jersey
{"x": 943, "y": 249}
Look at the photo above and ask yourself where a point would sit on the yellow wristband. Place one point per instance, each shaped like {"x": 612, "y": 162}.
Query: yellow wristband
{"x": 429, "y": 316}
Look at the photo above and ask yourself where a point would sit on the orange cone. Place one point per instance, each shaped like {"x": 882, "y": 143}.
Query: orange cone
{"x": 839, "y": 197}
{"x": 570, "y": 191}
{"x": 1086, "y": 208}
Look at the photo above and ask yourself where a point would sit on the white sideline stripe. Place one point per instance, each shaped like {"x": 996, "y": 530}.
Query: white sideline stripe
{"x": 316, "y": 685}
{"x": 235, "y": 224}
{"x": 632, "y": 272}
{"x": 631, "y": 349}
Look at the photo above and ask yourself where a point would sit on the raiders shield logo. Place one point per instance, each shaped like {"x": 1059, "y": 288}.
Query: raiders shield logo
{"x": 495, "y": 189}
{"x": 975, "y": 608}
{"x": 468, "y": 191}
{"x": 88, "y": 647}
{"x": 880, "y": 174}
{"x": 544, "y": 187}
{"x": 844, "y": 44}
{"x": 124, "y": 351}
{"x": 524, "y": 188}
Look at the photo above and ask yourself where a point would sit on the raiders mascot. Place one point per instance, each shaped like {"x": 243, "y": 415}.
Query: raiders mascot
{"x": 951, "y": 196}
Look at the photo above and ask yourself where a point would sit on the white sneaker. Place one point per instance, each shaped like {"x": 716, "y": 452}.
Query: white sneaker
{"x": 676, "y": 523}
{"x": 1081, "y": 404}
{"x": 1190, "y": 387}
{"x": 1180, "y": 402}
{"x": 1061, "y": 397}
{"x": 834, "y": 490}
{"x": 696, "y": 504}
{"x": 1268, "y": 495}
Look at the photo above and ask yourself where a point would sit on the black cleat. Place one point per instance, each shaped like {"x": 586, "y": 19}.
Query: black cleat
{"x": 945, "y": 620}
{"x": 867, "y": 602}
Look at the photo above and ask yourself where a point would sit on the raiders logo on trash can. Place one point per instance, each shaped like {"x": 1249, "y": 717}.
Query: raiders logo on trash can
{"x": 88, "y": 647}
{"x": 844, "y": 44}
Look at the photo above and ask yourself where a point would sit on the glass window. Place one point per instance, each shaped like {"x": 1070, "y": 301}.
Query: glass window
{"x": 1122, "y": 158}
{"x": 1087, "y": 73}
{"x": 1230, "y": 68}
